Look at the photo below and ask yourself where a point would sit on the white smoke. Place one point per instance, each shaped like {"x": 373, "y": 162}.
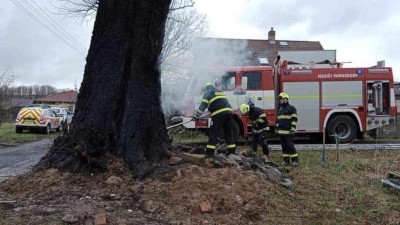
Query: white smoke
{"x": 210, "y": 57}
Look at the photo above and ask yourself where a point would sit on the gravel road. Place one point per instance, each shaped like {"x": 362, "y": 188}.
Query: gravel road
{"x": 21, "y": 159}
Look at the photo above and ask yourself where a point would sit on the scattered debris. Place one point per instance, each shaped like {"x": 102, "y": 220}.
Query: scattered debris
{"x": 256, "y": 163}
{"x": 7, "y": 204}
{"x": 205, "y": 207}
{"x": 69, "y": 218}
{"x": 194, "y": 158}
{"x": 175, "y": 160}
{"x": 392, "y": 180}
{"x": 109, "y": 209}
{"x": 100, "y": 219}
{"x": 114, "y": 180}
{"x": 150, "y": 207}
{"x": 245, "y": 160}
{"x": 239, "y": 200}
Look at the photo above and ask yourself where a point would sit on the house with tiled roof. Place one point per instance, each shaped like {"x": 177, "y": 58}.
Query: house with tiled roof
{"x": 241, "y": 52}
{"x": 65, "y": 99}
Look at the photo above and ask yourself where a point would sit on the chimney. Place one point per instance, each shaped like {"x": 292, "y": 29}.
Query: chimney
{"x": 271, "y": 34}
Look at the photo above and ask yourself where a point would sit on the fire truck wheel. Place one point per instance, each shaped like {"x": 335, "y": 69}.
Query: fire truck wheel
{"x": 235, "y": 133}
{"x": 344, "y": 127}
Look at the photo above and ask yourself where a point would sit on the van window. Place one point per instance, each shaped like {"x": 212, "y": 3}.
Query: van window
{"x": 251, "y": 81}
{"x": 45, "y": 112}
{"x": 56, "y": 110}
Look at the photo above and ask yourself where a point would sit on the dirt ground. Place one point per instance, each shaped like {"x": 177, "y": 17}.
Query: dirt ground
{"x": 51, "y": 197}
{"x": 191, "y": 194}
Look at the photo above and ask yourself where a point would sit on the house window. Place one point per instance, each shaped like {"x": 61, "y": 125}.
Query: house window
{"x": 283, "y": 43}
{"x": 251, "y": 81}
{"x": 263, "y": 61}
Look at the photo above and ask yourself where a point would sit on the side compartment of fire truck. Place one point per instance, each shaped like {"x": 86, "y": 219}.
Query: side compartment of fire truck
{"x": 345, "y": 102}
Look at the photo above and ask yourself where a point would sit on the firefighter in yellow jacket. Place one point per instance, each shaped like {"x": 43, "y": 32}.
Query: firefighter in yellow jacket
{"x": 285, "y": 127}
{"x": 221, "y": 118}
{"x": 259, "y": 126}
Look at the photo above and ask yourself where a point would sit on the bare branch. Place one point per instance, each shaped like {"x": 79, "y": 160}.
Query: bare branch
{"x": 78, "y": 8}
{"x": 6, "y": 79}
{"x": 183, "y": 25}
{"x": 181, "y": 7}
{"x": 181, "y": 4}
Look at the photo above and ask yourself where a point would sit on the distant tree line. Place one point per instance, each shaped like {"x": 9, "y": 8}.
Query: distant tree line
{"x": 31, "y": 90}
{"x": 9, "y": 93}
{"x": 6, "y": 79}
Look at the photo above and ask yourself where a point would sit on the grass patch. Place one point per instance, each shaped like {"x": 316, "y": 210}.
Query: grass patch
{"x": 8, "y": 135}
{"x": 345, "y": 192}
{"x": 181, "y": 135}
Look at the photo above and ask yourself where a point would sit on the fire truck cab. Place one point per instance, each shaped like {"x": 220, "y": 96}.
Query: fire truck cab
{"x": 343, "y": 102}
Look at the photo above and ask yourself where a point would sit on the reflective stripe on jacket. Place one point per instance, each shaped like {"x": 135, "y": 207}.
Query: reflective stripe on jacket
{"x": 286, "y": 120}
{"x": 260, "y": 121}
{"x": 216, "y": 102}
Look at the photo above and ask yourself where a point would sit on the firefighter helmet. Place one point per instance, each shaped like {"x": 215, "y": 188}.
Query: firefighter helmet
{"x": 244, "y": 108}
{"x": 283, "y": 95}
{"x": 206, "y": 86}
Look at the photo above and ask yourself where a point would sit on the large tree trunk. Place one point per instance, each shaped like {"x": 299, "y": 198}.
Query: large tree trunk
{"x": 118, "y": 108}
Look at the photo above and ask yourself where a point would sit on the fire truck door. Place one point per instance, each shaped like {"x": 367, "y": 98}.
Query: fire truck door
{"x": 228, "y": 84}
{"x": 305, "y": 97}
{"x": 251, "y": 84}
{"x": 233, "y": 99}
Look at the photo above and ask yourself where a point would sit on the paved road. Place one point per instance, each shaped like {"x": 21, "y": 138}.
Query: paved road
{"x": 21, "y": 159}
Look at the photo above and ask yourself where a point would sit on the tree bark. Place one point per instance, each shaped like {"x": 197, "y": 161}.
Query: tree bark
{"x": 118, "y": 108}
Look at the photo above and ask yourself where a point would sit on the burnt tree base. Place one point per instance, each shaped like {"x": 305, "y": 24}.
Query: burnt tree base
{"x": 87, "y": 151}
{"x": 71, "y": 154}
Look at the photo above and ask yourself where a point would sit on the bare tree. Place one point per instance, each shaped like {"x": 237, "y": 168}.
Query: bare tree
{"x": 118, "y": 108}
{"x": 85, "y": 8}
{"x": 6, "y": 79}
{"x": 183, "y": 24}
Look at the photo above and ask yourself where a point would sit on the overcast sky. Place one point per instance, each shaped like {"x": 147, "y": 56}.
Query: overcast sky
{"x": 362, "y": 31}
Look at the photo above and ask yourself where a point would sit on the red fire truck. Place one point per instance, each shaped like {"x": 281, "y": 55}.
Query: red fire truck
{"x": 345, "y": 102}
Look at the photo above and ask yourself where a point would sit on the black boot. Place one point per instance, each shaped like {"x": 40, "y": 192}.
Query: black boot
{"x": 231, "y": 151}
